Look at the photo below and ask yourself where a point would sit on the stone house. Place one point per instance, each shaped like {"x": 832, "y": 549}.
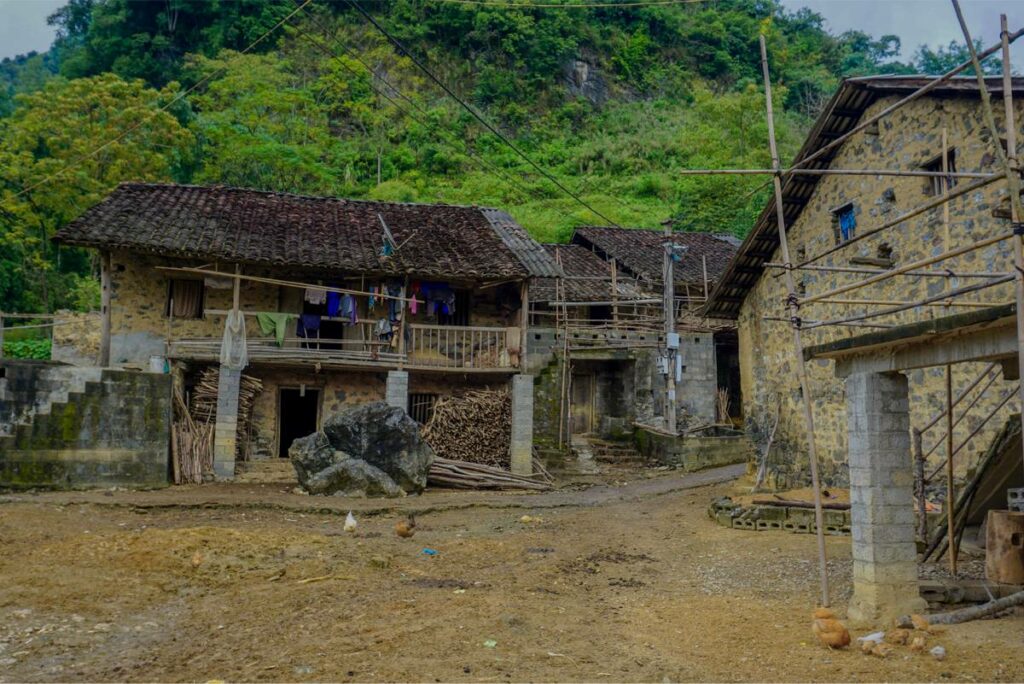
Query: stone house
{"x": 824, "y": 211}
{"x": 344, "y": 302}
{"x": 605, "y": 314}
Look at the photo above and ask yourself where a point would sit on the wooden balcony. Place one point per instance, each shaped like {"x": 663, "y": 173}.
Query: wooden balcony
{"x": 429, "y": 347}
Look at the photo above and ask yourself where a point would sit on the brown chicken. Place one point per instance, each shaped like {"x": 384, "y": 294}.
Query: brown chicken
{"x": 829, "y": 630}
{"x": 406, "y": 528}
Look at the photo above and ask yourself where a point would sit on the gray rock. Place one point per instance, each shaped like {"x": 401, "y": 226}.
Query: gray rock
{"x": 386, "y": 437}
{"x": 311, "y": 454}
{"x": 352, "y": 477}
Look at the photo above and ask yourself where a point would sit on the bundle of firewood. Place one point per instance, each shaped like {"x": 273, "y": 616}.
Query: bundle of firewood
{"x": 204, "y": 404}
{"x": 191, "y": 444}
{"x": 475, "y": 427}
{"x": 462, "y": 475}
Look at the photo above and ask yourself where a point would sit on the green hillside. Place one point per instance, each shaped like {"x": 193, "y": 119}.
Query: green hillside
{"x": 606, "y": 104}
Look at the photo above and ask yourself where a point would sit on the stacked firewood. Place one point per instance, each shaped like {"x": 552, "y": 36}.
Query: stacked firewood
{"x": 204, "y": 405}
{"x": 475, "y": 427}
{"x": 191, "y": 444}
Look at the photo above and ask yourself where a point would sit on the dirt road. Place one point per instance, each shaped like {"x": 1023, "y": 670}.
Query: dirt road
{"x": 640, "y": 588}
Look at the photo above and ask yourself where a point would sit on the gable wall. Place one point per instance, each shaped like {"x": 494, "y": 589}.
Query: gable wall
{"x": 907, "y": 139}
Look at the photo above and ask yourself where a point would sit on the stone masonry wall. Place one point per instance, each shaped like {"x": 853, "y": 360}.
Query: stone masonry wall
{"x": 113, "y": 428}
{"x": 905, "y": 140}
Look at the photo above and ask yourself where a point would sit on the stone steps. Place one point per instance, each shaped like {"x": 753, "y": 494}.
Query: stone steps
{"x": 20, "y": 403}
{"x": 266, "y": 471}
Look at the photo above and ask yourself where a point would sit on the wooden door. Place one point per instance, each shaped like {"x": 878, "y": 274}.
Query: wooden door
{"x": 582, "y": 416}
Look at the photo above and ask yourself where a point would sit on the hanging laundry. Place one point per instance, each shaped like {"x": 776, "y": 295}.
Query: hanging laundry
{"x": 348, "y": 308}
{"x": 274, "y": 324}
{"x": 333, "y": 303}
{"x": 234, "y": 352}
{"x": 316, "y": 295}
{"x": 383, "y": 329}
{"x": 373, "y": 298}
{"x": 308, "y": 326}
{"x": 413, "y": 301}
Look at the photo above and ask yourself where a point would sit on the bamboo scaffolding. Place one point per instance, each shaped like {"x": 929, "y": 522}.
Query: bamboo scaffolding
{"x": 912, "y": 305}
{"x": 783, "y": 319}
{"x": 1007, "y": 159}
{"x": 960, "y": 397}
{"x": 963, "y": 414}
{"x": 977, "y": 428}
{"x": 897, "y": 302}
{"x": 920, "y": 92}
{"x": 944, "y": 273}
{"x": 920, "y": 485}
{"x": 928, "y": 261}
{"x": 835, "y": 172}
{"x": 917, "y": 211}
{"x": 797, "y": 342}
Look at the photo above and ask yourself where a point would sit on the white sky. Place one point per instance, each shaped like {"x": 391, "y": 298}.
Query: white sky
{"x": 23, "y": 22}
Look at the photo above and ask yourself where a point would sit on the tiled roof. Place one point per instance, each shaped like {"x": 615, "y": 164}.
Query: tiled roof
{"x": 842, "y": 113}
{"x": 316, "y": 233}
{"x": 579, "y": 262}
{"x": 642, "y": 252}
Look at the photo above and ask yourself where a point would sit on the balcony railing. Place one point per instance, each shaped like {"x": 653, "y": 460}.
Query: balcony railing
{"x": 427, "y": 346}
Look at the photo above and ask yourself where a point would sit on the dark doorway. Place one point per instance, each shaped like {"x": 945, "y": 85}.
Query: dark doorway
{"x": 297, "y": 414}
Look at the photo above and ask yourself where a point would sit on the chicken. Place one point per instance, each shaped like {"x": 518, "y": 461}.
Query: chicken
{"x": 406, "y": 528}
{"x": 920, "y": 622}
{"x": 829, "y": 630}
{"x": 898, "y": 637}
{"x": 881, "y": 650}
{"x": 350, "y": 522}
{"x": 918, "y": 644}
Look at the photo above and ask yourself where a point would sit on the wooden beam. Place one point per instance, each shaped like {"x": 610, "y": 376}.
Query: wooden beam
{"x": 105, "y": 301}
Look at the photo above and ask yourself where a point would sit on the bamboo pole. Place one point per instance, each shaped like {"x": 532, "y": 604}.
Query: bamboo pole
{"x": 1007, "y": 158}
{"x": 922, "y": 302}
{"x": 783, "y": 319}
{"x": 928, "y": 261}
{"x": 947, "y": 239}
{"x": 960, "y": 397}
{"x": 1, "y": 334}
{"x": 945, "y": 273}
{"x": 277, "y": 281}
{"x": 105, "y": 302}
{"x": 897, "y": 302}
{"x": 922, "y": 209}
{"x": 950, "y": 494}
{"x": 704, "y": 265}
{"x": 834, "y": 172}
{"x": 920, "y": 92}
{"x": 963, "y": 414}
{"x": 920, "y": 486}
{"x": 669, "y": 310}
{"x": 797, "y": 342}
{"x": 615, "y": 290}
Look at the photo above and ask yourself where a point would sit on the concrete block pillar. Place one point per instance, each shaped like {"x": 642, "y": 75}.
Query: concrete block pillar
{"x": 225, "y": 435}
{"x": 881, "y": 498}
{"x": 397, "y": 391}
{"x": 522, "y": 424}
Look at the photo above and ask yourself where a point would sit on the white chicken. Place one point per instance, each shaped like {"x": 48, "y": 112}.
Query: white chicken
{"x": 350, "y": 522}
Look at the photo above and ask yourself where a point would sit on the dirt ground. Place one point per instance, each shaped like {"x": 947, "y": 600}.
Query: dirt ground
{"x": 635, "y": 588}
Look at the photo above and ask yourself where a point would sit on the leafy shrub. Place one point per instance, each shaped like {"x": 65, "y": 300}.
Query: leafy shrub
{"x": 27, "y": 349}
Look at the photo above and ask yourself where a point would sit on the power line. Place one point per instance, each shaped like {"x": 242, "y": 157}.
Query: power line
{"x": 177, "y": 98}
{"x": 478, "y": 117}
{"x": 494, "y": 168}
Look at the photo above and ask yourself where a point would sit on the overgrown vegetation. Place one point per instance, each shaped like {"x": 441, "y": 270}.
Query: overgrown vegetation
{"x": 610, "y": 101}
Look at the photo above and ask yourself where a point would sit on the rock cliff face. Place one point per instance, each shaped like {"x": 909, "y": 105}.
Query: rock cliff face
{"x": 371, "y": 450}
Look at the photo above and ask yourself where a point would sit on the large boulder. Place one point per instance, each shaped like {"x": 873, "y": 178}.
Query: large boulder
{"x": 311, "y": 454}
{"x": 386, "y": 437}
{"x": 352, "y": 477}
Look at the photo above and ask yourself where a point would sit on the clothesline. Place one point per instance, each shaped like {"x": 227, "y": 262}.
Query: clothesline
{"x": 286, "y": 283}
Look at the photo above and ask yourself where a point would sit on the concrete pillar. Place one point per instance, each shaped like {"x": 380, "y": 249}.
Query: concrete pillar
{"x": 522, "y": 424}
{"x": 881, "y": 498}
{"x": 225, "y": 436}
{"x": 697, "y": 389}
{"x": 397, "y": 391}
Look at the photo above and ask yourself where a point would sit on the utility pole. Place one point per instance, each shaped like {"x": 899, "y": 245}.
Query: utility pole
{"x": 671, "y": 339}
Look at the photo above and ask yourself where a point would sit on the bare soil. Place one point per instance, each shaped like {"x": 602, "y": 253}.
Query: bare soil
{"x": 641, "y": 587}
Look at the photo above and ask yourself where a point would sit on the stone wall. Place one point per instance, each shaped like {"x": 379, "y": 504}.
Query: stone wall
{"x": 906, "y": 140}
{"x": 77, "y": 339}
{"x": 83, "y": 427}
{"x": 698, "y": 391}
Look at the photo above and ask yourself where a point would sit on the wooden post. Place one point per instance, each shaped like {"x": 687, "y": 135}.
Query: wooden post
{"x": 920, "y": 486}
{"x": 950, "y": 493}
{"x": 794, "y": 311}
{"x": 403, "y": 306}
{"x": 615, "y": 290}
{"x": 948, "y": 240}
{"x": 704, "y": 264}
{"x": 669, "y": 306}
{"x": 236, "y": 294}
{"x": 524, "y": 321}
{"x": 105, "y": 298}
